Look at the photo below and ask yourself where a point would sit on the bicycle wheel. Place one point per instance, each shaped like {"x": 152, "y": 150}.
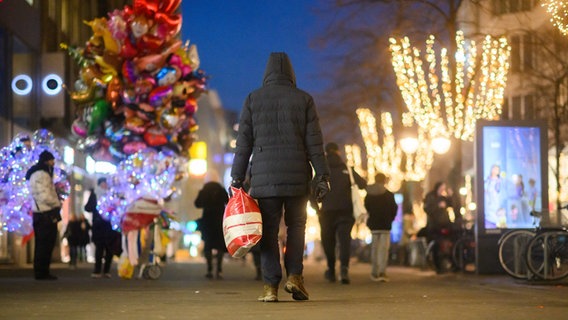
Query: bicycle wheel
{"x": 463, "y": 254}
{"x": 547, "y": 255}
{"x": 512, "y": 253}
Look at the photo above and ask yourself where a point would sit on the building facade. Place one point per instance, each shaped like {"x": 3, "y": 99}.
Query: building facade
{"x": 537, "y": 85}
{"x": 32, "y": 71}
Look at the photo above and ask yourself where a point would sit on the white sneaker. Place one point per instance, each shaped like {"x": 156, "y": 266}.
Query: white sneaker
{"x": 374, "y": 278}
{"x": 383, "y": 278}
{"x": 96, "y": 275}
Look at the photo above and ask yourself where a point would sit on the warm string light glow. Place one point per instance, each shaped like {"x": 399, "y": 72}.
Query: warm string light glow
{"x": 558, "y": 10}
{"x": 444, "y": 106}
{"x": 387, "y": 157}
{"x": 354, "y": 160}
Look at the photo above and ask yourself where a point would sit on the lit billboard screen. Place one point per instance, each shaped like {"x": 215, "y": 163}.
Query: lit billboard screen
{"x": 511, "y": 163}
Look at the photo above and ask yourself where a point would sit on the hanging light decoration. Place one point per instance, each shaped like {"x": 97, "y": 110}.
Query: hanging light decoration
{"x": 449, "y": 106}
{"x": 558, "y": 10}
{"x": 388, "y": 157}
{"x": 354, "y": 160}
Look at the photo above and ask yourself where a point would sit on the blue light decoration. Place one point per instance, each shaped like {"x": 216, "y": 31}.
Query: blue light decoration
{"x": 15, "y": 160}
{"x": 147, "y": 174}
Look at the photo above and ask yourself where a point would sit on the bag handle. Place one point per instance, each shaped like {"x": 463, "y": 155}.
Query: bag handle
{"x": 351, "y": 176}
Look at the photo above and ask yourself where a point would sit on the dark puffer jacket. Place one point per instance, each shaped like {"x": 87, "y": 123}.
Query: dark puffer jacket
{"x": 381, "y": 206}
{"x": 279, "y": 127}
{"x": 339, "y": 198}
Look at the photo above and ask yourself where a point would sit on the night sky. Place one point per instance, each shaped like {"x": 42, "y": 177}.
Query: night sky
{"x": 234, "y": 39}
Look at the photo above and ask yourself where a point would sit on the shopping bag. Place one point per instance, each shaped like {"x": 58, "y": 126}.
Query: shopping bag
{"x": 359, "y": 210}
{"x": 242, "y": 223}
{"x": 125, "y": 269}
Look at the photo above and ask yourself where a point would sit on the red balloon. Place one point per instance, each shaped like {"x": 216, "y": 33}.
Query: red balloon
{"x": 154, "y": 137}
{"x": 171, "y": 22}
{"x": 159, "y": 96}
{"x": 147, "y": 7}
{"x": 169, "y": 6}
{"x": 152, "y": 43}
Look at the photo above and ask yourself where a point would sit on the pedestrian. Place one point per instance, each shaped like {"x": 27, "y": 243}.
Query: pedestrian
{"x": 46, "y": 213}
{"x": 439, "y": 227}
{"x": 77, "y": 234}
{"x": 382, "y": 208}
{"x": 212, "y": 198}
{"x": 279, "y": 128}
{"x": 336, "y": 214}
{"x": 103, "y": 236}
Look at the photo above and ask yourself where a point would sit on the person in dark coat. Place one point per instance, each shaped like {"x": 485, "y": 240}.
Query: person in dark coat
{"x": 46, "y": 209}
{"x": 382, "y": 209}
{"x": 279, "y": 128}
{"x": 212, "y": 198}
{"x": 103, "y": 236}
{"x": 336, "y": 214}
{"x": 77, "y": 234}
{"x": 439, "y": 225}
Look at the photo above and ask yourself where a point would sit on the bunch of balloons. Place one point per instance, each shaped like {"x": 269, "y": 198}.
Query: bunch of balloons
{"x": 138, "y": 85}
{"x": 146, "y": 174}
{"x": 15, "y": 160}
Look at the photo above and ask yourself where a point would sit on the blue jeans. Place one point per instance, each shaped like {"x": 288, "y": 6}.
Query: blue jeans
{"x": 294, "y": 210}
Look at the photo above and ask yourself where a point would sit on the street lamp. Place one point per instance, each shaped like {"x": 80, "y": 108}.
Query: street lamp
{"x": 409, "y": 145}
{"x": 441, "y": 145}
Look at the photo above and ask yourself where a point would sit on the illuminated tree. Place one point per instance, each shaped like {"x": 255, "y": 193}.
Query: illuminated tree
{"x": 558, "y": 10}
{"x": 386, "y": 155}
{"x": 447, "y": 102}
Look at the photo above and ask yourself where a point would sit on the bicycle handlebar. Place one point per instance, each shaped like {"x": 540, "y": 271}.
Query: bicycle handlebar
{"x": 538, "y": 214}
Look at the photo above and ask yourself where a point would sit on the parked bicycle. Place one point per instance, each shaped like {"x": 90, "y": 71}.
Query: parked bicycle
{"x": 547, "y": 253}
{"x": 514, "y": 254}
{"x": 463, "y": 254}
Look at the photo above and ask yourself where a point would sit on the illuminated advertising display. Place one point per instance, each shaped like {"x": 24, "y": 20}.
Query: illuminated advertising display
{"x": 511, "y": 168}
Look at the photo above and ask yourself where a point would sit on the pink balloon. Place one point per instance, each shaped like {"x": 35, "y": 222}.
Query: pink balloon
{"x": 133, "y": 147}
{"x": 79, "y": 128}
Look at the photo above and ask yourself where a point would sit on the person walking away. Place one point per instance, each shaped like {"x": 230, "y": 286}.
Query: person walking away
{"x": 77, "y": 234}
{"x": 212, "y": 198}
{"x": 46, "y": 209}
{"x": 336, "y": 214}
{"x": 102, "y": 234}
{"x": 382, "y": 208}
{"x": 279, "y": 128}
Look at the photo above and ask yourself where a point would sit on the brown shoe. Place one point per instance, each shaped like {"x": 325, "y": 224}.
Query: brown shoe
{"x": 295, "y": 286}
{"x": 270, "y": 294}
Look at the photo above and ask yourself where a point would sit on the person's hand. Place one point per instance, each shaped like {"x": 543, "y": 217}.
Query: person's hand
{"x": 321, "y": 187}
{"x": 237, "y": 184}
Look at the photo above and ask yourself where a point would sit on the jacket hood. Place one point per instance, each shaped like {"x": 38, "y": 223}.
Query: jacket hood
{"x": 376, "y": 189}
{"x": 37, "y": 167}
{"x": 279, "y": 70}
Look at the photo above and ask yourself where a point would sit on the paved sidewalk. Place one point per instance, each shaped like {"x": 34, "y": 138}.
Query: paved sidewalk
{"x": 182, "y": 292}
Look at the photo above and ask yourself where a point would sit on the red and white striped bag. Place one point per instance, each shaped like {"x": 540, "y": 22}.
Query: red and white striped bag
{"x": 242, "y": 223}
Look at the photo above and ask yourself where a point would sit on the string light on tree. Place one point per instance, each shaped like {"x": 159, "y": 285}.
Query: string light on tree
{"x": 447, "y": 103}
{"x": 390, "y": 158}
{"x": 558, "y": 10}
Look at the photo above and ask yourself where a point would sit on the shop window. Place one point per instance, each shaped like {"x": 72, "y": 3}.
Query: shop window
{"x": 529, "y": 107}
{"x": 522, "y": 57}
{"x": 516, "y": 107}
{"x": 501, "y": 7}
{"x": 505, "y": 109}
